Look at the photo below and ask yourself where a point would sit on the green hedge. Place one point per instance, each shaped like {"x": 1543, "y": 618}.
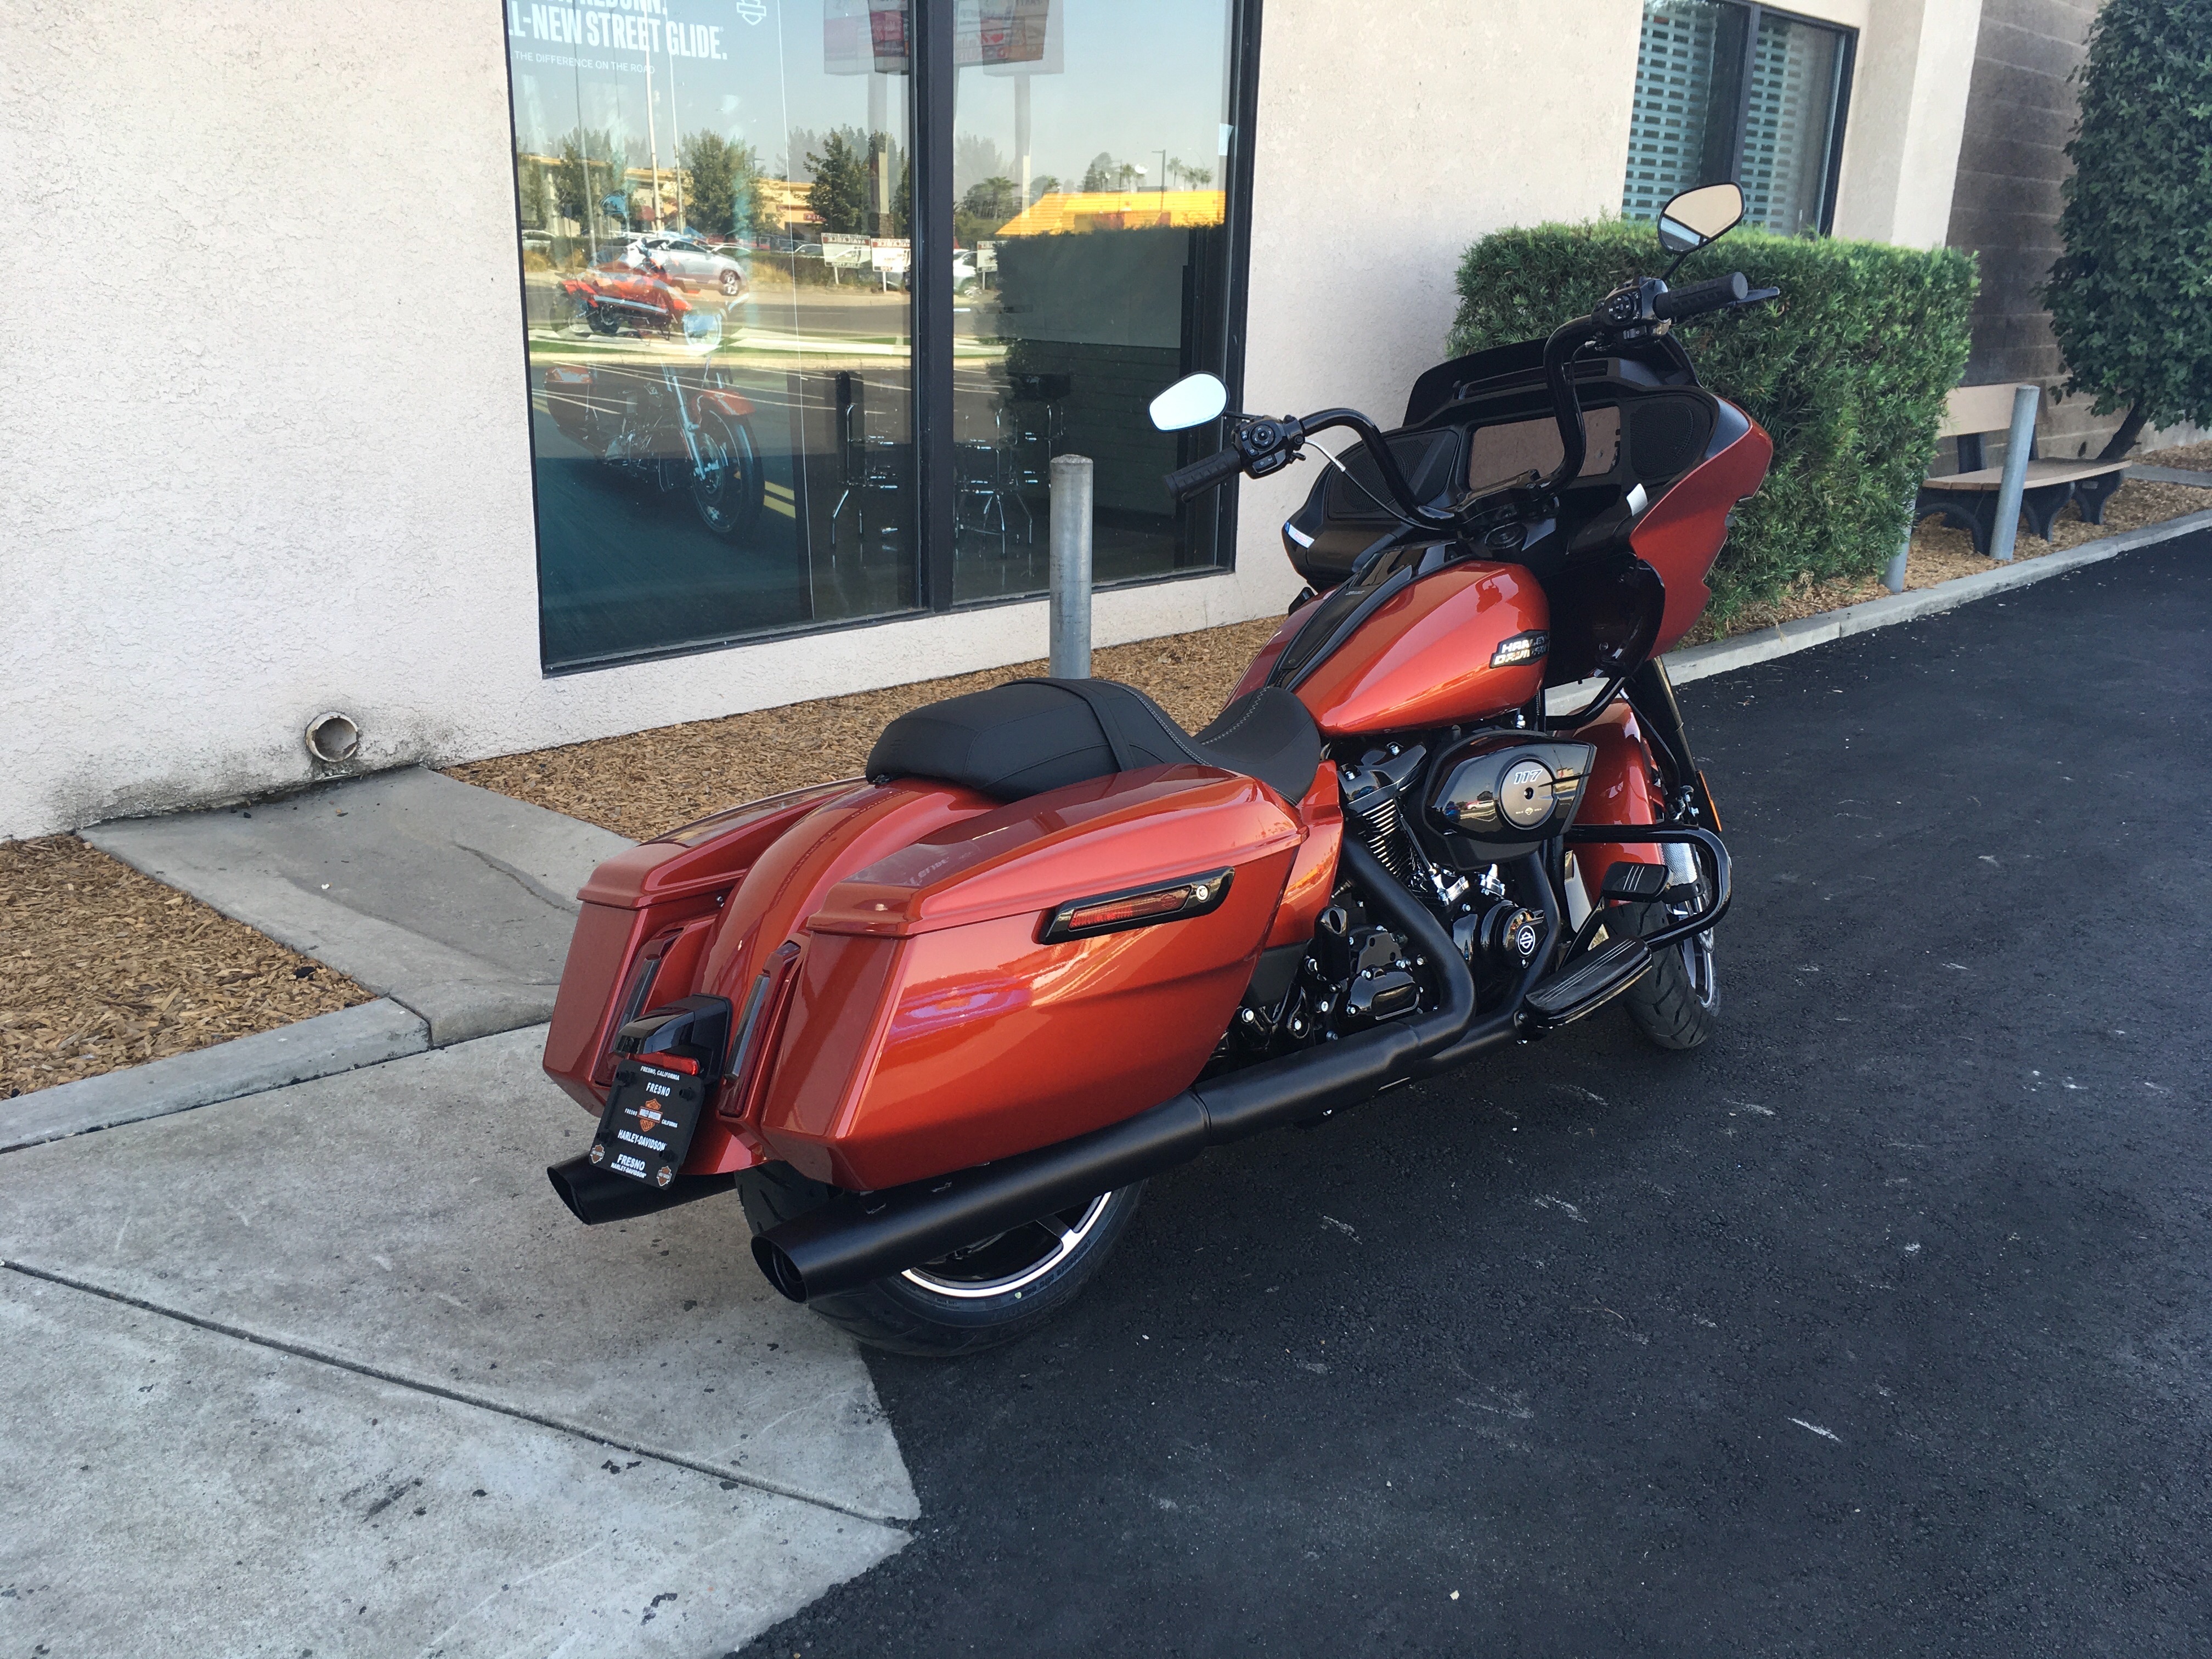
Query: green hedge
{"x": 1847, "y": 371}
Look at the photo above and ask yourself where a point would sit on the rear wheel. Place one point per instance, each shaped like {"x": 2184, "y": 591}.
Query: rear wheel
{"x": 988, "y": 1292}
{"x": 1673, "y": 1005}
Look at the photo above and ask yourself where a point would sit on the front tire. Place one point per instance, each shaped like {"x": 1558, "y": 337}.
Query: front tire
{"x": 992, "y": 1291}
{"x": 1673, "y": 1005}
{"x": 729, "y": 497}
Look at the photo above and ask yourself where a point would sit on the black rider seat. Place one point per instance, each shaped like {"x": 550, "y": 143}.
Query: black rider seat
{"x": 1029, "y": 736}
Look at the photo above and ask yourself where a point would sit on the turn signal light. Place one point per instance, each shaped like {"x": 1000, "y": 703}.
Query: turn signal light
{"x": 1110, "y": 913}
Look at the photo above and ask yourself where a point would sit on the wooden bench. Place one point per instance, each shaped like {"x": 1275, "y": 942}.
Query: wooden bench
{"x": 1971, "y": 497}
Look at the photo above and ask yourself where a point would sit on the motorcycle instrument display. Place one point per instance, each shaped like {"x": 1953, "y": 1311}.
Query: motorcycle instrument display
{"x": 938, "y": 1024}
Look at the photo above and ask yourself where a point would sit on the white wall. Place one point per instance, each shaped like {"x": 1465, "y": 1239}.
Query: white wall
{"x": 264, "y": 463}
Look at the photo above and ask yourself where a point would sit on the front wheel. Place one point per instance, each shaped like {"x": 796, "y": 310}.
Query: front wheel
{"x": 977, "y": 1296}
{"x": 1674, "y": 1004}
{"x": 726, "y": 489}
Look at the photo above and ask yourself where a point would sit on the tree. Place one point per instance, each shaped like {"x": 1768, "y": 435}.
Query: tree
{"x": 537, "y": 193}
{"x": 710, "y": 163}
{"x": 2131, "y": 298}
{"x": 1105, "y": 173}
{"x": 1179, "y": 169}
{"x": 1041, "y": 186}
{"x": 975, "y": 158}
{"x": 988, "y": 203}
{"x": 840, "y": 196}
{"x": 590, "y": 166}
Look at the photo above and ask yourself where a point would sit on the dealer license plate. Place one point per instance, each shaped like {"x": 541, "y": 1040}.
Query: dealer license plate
{"x": 646, "y": 1129}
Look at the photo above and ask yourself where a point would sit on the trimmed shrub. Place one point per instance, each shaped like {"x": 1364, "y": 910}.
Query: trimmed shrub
{"x": 2132, "y": 299}
{"x": 1847, "y": 372}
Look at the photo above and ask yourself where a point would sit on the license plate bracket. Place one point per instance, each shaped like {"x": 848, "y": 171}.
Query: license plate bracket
{"x": 645, "y": 1130}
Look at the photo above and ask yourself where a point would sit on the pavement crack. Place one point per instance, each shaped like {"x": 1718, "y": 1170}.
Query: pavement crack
{"x": 529, "y": 884}
{"x": 727, "y": 1475}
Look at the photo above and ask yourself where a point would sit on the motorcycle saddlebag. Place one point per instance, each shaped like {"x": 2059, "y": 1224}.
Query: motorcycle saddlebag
{"x": 1024, "y": 974}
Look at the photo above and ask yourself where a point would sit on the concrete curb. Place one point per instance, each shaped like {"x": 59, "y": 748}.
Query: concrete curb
{"x": 1702, "y": 661}
{"x": 364, "y": 1035}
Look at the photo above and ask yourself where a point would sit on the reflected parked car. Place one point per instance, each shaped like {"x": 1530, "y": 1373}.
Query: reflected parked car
{"x": 691, "y": 264}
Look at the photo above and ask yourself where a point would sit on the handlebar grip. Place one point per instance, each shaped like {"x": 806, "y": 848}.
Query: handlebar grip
{"x": 1702, "y": 297}
{"x": 1186, "y": 482}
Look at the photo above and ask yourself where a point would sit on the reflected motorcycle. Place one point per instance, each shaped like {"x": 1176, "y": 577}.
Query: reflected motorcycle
{"x": 937, "y": 1026}
{"x": 659, "y": 416}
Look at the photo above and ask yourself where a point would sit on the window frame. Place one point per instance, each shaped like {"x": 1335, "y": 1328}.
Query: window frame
{"x": 1754, "y": 11}
{"x": 934, "y": 73}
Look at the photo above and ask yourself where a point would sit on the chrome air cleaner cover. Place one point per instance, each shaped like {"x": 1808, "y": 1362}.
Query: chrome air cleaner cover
{"x": 1506, "y": 787}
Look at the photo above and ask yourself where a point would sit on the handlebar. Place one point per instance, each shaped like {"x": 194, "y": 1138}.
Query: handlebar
{"x": 1701, "y": 297}
{"x": 1259, "y": 447}
{"x": 1202, "y": 476}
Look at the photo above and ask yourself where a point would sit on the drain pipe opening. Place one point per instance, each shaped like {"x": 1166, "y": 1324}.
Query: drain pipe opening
{"x": 333, "y": 737}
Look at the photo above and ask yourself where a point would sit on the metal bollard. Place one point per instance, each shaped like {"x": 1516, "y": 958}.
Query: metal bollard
{"x": 1069, "y": 566}
{"x": 2018, "y": 442}
{"x": 1893, "y": 575}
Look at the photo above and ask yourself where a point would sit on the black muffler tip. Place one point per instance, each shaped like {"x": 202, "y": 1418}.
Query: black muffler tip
{"x": 779, "y": 1269}
{"x": 594, "y": 1194}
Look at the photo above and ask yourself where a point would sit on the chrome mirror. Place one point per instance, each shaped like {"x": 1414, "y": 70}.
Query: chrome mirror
{"x": 1192, "y": 401}
{"x": 1698, "y": 216}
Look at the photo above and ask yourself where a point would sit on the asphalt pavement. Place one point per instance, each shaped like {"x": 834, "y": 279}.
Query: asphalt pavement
{"x": 1880, "y": 1325}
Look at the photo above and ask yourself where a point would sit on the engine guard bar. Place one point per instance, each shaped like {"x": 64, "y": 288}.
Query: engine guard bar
{"x": 1713, "y": 854}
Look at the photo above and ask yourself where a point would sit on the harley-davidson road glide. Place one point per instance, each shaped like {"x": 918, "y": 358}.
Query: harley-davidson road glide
{"x": 936, "y": 1026}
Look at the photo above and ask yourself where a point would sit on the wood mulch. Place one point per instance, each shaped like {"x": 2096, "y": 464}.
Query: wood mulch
{"x": 1942, "y": 553}
{"x": 644, "y": 782}
{"x": 2193, "y": 457}
{"x": 101, "y": 966}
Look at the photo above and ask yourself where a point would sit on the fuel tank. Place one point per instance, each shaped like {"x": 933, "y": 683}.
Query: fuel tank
{"x": 1458, "y": 645}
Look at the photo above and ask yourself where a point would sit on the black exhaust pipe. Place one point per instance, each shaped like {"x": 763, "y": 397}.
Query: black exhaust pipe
{"x": 857, "y": 1237}
{"x": 594, "y": 1194}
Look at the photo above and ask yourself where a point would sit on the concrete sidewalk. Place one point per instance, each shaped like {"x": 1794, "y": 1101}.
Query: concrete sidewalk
{"x": 454, "y": 902}
{"x": 235, "y": 1334}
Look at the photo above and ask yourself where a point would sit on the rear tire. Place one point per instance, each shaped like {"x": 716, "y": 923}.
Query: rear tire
{"x": 1674, "y": 1004}
{"x": 904, "y": 1314}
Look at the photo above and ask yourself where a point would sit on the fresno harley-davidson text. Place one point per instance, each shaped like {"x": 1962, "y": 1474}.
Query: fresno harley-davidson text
{"x": 937, "y": 1026}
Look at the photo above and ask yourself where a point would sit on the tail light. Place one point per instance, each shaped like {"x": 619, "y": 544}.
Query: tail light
{"x": 759, "y": 1024}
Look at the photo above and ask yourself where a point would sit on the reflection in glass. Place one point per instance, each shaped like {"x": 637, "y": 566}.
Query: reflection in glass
{"x": 1682, "y": 124}
{"x": 1712, "y": 102}
{"x": 715, "y": 209}
{"x": 1788, "y": 123}
{"x": 1090, "y": 167}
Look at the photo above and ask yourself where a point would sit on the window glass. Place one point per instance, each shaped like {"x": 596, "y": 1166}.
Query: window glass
{"x": 1789, "y": 123}
{"x": 721, "y": 420}
{"x": 1730, "y": 91}
{"x": 1682, "y": 131}
{"x": 1091, "y": 180}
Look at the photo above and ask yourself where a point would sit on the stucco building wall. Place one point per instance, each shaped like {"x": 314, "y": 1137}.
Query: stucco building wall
{"x": 265, "y": 463}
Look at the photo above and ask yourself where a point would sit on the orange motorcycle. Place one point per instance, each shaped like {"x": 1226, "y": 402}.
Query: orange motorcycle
{"x": 937, "y": 1026}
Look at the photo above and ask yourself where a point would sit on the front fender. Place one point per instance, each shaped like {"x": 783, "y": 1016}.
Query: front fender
{"x": 1624, "y": 788}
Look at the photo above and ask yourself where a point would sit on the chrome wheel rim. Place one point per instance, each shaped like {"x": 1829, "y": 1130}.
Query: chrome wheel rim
{"x": 1012, "y": 1260}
